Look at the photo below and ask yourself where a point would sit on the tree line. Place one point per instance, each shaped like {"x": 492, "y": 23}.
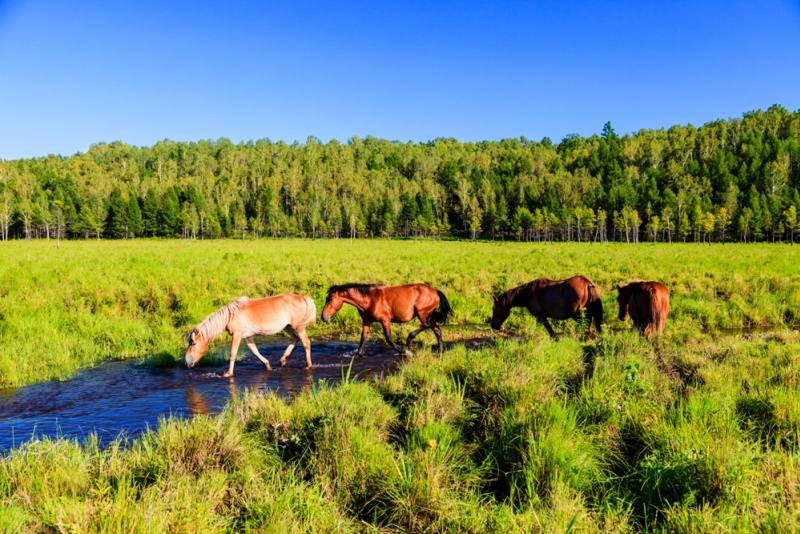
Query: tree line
{"x": 729, "y": 180}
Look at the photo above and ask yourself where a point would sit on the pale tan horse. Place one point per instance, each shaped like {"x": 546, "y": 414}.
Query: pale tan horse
{"x": 244, "y": 318}
{"x": 647, "y": 303}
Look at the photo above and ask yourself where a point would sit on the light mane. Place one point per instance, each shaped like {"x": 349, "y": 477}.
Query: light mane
{"x": 214, "y": 324}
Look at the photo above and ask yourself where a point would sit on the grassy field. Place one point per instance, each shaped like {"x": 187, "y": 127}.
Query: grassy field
{"x": 699, "y": 432}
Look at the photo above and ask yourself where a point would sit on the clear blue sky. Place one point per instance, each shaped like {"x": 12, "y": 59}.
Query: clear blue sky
{"x": 80, "y": 72}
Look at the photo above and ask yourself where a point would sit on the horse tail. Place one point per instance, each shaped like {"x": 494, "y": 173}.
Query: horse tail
{"x": 311, "y": 312}
{"x": 659, "y": 307}
{"x": 594, "y": 306}
{"x": 444, "y": 310}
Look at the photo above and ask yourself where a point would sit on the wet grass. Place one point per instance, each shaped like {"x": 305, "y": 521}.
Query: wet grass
{"x": 697, "y": 432}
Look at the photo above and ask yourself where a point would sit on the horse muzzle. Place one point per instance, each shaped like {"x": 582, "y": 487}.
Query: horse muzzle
{"x": 325, "y": 319}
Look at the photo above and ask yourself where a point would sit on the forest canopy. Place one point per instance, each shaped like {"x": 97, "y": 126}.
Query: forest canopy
{"x": 729, "y": 180}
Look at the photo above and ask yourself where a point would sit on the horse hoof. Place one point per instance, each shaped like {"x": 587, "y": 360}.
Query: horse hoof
{"x": 283, "y": 362}
{"x": 406, "y": 353}
{"x": 227, "y": 375}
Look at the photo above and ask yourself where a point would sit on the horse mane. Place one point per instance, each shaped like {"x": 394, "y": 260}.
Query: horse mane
{"x": 510, "y": 297}
{"x": 362, "y": 289}
{"x": 214, "y": 324}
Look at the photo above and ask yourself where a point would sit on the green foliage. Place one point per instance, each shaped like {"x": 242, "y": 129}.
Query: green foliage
{"x": 727, "y": 180}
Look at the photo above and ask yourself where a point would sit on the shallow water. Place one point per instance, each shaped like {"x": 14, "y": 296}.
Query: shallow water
{"x": 124, "y": 397}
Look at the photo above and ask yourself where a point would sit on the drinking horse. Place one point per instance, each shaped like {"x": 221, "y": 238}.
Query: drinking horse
{"x": 647, "y": 303}
{"x": 377, "y": 303}
{"x": 554, "y": 299}
{"x": 244, "y": 318}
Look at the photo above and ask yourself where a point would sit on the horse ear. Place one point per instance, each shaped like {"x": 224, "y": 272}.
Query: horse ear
{"x": 495, "y": 298}
{"x": 619, "y": 286}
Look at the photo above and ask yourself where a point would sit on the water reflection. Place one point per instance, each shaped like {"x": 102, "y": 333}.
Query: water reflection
{"x": 195, "y": 402}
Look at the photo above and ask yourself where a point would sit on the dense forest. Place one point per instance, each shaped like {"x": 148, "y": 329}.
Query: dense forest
{"x": 729, "y": 180}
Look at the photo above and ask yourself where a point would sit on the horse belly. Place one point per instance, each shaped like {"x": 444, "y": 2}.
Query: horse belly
{"x": 262, "y": 324}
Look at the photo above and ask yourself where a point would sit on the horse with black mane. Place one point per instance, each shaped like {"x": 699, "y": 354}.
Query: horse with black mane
{"x": 554, "y": 299}
{"x": 377, "y": 303}
{"x": 647, "y": 303}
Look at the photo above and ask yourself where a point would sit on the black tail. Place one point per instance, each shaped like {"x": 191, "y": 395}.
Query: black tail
{"x": 595, "y": 308}
{"x": 444, "y": 310}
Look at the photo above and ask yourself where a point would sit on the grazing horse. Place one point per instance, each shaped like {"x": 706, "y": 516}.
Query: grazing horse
{"x": 377, "y": 303}
{"x": 555, "y": 299}
{"x": 647, "y": 303}
{"x": 244, "y": 318}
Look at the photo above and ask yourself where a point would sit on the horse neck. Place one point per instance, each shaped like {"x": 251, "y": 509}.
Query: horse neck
{"x": 517, "y": 296}
{"x": 215, "y": 324}
{"x": 356, "y": 299}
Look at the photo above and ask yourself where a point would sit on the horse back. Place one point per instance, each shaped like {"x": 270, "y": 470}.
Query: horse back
{"x": 559, "y": 299}
{"x": 270, "y": 315}
{"x": 403, "y": 302}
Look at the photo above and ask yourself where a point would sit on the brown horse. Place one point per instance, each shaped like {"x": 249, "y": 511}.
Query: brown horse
{"x": 244, "y": 318}
{"x": 377, "y": 303}
{"x": 554, "y": 299}
{"x": 647, "y": 303}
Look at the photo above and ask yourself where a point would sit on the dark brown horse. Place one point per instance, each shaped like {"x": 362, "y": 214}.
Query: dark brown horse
{"x": 377, "y": 303}
{"x": 554, "y": 299}
{"x": 647, "y": 303}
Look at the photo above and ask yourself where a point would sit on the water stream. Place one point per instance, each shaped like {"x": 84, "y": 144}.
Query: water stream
{"x": 124, "y": 397}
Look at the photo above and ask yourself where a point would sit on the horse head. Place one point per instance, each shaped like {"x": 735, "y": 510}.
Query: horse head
{"x": 198, "y": 344}
{"x": 500, "y": 312}
{"x": 333, "y": 303}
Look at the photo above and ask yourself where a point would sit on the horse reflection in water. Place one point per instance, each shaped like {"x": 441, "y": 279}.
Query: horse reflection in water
{"x": 196, "y": 403}
{"x": 288, "y": 381}
{"x": 244, "y": 318}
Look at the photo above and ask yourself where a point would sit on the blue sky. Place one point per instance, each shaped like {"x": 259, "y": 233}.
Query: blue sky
{"x": 77, "y": 73}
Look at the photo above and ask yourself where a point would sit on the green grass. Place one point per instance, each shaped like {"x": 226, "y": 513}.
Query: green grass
{"x": 64, "y": 309}
{"x": 697, "y": 432}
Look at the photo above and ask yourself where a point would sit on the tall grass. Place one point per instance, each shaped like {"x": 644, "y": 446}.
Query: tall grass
{"x": 530, "y": 436}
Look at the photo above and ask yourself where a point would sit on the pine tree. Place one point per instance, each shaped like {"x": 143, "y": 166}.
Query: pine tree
{"x": 150, "y": 209}
{"x": 117, "y": 217}
{"x": 135, "y": 223}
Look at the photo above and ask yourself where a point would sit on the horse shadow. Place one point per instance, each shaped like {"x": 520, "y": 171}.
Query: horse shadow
{"x": 589, "y": 353}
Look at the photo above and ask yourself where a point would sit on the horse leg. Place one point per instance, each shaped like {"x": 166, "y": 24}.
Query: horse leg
{"x": 387, "y": 331}
{"x": 416, "y": 332}
{"x": 438, "y": 332}
{"x": 237, "y": 338}
{"x": 292, "y": 344}
{"x": 252, "y": 346}
{"x": 546, "y": 324}
{"x": 364, "y": 334}
{"x": 306, "y": 345}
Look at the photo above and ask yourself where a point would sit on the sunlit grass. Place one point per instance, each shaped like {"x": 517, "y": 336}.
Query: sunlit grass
{"x": 696, "y": 431}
